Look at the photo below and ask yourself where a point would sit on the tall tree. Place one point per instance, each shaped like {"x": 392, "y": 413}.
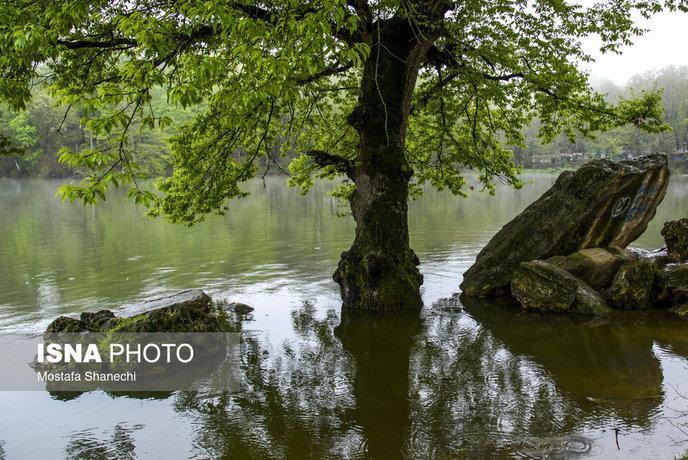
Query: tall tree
{"x": 387, "y": 95}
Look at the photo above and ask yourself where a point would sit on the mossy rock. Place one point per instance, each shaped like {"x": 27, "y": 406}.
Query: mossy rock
{"x": 240, "y": 308}
{"x": 602, "y": 204}
{"x": 632, "y": 287}
{"x": 541, "y": 286}
{"x": 672, "y": 285}
{"x": 675, "y": 233}
{"x": 186, "y": 311}
{"x": 66, "y": 324}
{"x": 595, "y": 266}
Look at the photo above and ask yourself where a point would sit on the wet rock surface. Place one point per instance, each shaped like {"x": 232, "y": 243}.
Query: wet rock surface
{"x": 186, "y": 311}
{"x": 632, "y": 288}
{"x": 541, "y": 286}
{"x": 240, "y": 308}
{"x": 595, "y": 266}
{"x": 672, "y": 284}
{"x": 675, "y": 235}
{"x": 602, "y": 204}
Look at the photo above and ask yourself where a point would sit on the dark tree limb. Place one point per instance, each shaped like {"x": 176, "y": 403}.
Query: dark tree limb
{"x": 324, "y": 159}
{"x": 333, "y": 69}
{"x": 81, "y": 44}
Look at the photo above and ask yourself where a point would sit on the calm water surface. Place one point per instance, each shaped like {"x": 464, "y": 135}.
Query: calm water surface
{"x": 475, "y": 380}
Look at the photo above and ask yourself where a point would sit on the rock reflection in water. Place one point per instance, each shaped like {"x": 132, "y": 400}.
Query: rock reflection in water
{"x": 488, "y": 381}
{"x": 606, "y": 362}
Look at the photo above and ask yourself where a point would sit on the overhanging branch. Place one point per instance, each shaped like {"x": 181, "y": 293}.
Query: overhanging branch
{"x": 334, "y": 69}
{"x": 324, "y": 159}
{"x": 112, "y": 43}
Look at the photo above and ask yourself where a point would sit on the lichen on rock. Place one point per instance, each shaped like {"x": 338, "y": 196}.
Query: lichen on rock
{"x": 595, "y": 266}
{"x": 632, "y": 287}
{"x": 539, "y": 285}
{"x": 675, "y": 233}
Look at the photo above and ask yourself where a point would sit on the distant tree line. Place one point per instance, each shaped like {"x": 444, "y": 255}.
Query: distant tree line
{"x": 627, "y": 141}
{"x": 30, "y": 140}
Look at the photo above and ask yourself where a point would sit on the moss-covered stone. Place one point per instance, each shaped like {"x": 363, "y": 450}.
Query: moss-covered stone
{"x": 99, "y": 321}
{"x": 240, "y": 308}
{"x": 675, "y": 233}
{"x": 595, "y": 266}
{"x": 66, "y": 324}
{"x": 602, "y": 204}
{"x": 186, "y": 311}
{"x": 541, "y": 286}
{"x": 632, "y": 287}
{"x": 672, "y": 285}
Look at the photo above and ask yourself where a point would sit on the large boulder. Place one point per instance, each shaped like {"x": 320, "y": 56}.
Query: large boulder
{"x": 186, "y": 311}
{"x": 632, "y": 287}
{"x": 602, "y": 204}
{"x": 675, "y": 233}
{"x": 539, "y": 285}
{"x": 595, "y": 266}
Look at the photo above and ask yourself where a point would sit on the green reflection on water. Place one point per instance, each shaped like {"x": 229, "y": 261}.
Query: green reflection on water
{"x": 449, "y": 384}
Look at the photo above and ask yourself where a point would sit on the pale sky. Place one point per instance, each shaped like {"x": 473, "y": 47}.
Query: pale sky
{"x": 665, "y": 44}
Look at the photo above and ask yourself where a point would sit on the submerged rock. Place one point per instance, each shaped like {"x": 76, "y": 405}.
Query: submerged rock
{"x": 539, "y": 285}
{"x": 675, "y": 233}
{"x": 595, "y": 266}
{"x": 602, "y": 204}
{"x": 186, "y": 311}
{"x": 632, "y": 287}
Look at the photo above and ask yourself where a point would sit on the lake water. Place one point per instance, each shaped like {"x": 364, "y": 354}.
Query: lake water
{"x": 477, "y": 380}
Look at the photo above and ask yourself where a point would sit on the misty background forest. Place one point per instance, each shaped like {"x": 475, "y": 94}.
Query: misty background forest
{"x": 30, "y": 141}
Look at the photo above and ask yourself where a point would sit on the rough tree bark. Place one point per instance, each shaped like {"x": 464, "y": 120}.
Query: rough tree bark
{"x": 380, "y": 270}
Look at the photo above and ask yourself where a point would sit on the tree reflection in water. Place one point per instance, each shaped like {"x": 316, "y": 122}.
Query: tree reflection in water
{"x": 447, "y": 383}
{"x": 85, "y": 445}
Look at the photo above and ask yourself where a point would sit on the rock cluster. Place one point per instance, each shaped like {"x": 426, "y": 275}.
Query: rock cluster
{"x": 602, "y": 204}
{"x": 636, "y": 280}
{"x": 565, "y": 252}
{"x": 186, "y": 311}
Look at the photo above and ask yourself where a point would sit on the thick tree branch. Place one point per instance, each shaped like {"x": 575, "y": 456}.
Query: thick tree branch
{"x": 444, "y": 81}
{"x": 196, "y": 34}
{"x": 324, "y": 159}
{"x": 365, "y": 15}
{"x": 112, "y": 43}
{"x": 334, "y": 69}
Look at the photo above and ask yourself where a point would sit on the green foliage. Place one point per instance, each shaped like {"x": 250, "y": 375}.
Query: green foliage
{"x": 659, "y": 96}
{"x": 250, "y": 80}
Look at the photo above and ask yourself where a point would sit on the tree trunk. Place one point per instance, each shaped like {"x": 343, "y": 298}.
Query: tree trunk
{"x": 380, "y": 271}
